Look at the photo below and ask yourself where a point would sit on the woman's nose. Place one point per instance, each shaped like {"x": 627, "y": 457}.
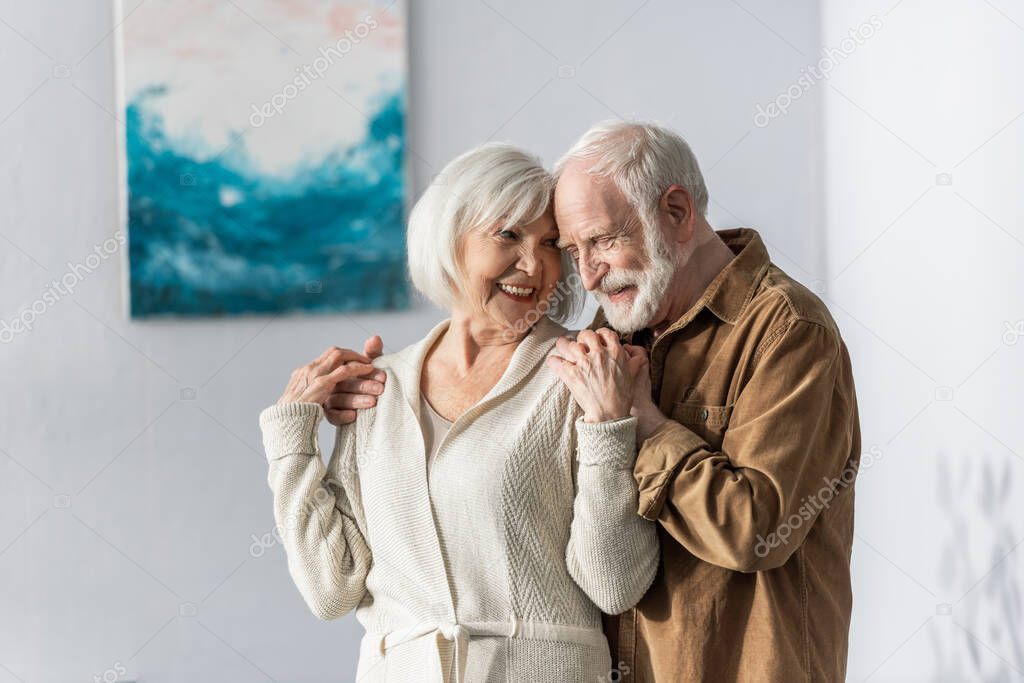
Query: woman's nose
{"x": 528, "y": 259}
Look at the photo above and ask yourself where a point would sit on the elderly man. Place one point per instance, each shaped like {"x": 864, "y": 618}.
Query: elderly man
{"x": 749, "y": 431}
{"x": 748, "y": 428}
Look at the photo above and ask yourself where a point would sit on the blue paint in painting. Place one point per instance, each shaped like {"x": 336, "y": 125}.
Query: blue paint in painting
{"x": 208, "y": 237}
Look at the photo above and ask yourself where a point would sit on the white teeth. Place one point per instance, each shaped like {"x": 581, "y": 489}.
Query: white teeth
{"x": 517, "y": 291}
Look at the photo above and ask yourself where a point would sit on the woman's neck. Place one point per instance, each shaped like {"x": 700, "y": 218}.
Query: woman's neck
{"x": 472, "y": 339}
{"x": 465, "y": 363}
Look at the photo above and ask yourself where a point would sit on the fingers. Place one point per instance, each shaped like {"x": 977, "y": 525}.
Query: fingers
{"x": 349, "y": 402}
{"x": 320, "y": 387}
{"x": 331, "y": 359}
{"x": 317, "y": 379}
{"x": 589, "y": 340}
{"x": 347, "y": 371}
{"x": 340, "y": 417}
{"x": 571, "y": 351}
{"x": 373, "y": 347}
{"x": 561, "y": 367}
{"x": 361, "y": 385}
{"x": 609, "y": 338}
{"x": 597, "y": 341}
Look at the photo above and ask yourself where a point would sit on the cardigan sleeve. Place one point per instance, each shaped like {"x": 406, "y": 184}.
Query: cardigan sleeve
{"x": 612, "y": 553}
{"x": 328, "y": 557}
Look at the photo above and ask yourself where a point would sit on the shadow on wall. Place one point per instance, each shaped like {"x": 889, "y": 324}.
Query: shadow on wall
{"x": 982, "y": 637}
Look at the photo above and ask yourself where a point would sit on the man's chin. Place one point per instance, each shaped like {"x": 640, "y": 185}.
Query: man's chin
{"x": 620, "y": 317}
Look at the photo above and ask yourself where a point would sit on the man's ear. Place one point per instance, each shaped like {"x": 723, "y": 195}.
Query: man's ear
{"x": 677, "y": 204}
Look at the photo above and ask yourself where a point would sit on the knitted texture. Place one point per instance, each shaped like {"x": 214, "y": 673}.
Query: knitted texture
{"x": 555, "y": 540}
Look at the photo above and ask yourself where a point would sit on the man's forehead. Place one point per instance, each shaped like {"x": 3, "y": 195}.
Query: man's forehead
{"x": 586, "y": 209}
{"x": 581, "y": 195}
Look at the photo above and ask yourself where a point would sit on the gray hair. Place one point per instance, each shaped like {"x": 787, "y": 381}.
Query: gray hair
{"x": 490, "y": 184}
{"x": 643, "y": 160}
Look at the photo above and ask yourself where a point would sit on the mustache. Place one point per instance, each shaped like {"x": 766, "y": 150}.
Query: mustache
{"x": 614, "y": 281}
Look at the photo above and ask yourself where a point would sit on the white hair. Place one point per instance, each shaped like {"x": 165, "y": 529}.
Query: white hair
{"x": 643, "y": 160}
{"x": 490, "y": 184}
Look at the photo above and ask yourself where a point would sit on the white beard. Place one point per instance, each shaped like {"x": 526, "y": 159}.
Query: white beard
{"x": 651, "y": 284}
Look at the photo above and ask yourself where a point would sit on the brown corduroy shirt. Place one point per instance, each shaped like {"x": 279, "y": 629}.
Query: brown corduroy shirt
{"x": 751, "y": 481}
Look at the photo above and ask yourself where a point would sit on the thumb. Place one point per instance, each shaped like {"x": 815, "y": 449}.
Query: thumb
{"x": 560, "y": 366}
{"x": 633, "y": 350}
{"x": 636, "y": 364}
{"x": 373, "y": 347}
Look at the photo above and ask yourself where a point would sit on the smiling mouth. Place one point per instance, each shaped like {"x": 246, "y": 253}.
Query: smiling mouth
{"x": 517, "y": 293}
{"x": 620, "y": 293}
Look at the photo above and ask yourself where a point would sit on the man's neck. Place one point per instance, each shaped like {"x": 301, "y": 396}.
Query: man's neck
{"x": 693, "y": 276}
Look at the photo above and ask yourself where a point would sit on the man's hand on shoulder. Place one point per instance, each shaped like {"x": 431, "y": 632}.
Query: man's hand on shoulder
{"x": 356, "y": 393}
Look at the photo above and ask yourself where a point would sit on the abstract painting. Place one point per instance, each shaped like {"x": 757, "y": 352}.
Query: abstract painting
{"x": 263, "y": 155}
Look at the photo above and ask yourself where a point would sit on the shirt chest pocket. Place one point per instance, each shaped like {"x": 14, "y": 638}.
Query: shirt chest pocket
{"x": 707, "y": 421}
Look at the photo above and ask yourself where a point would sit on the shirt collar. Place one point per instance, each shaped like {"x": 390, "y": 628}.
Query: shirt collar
{"x": 729, "y": 292}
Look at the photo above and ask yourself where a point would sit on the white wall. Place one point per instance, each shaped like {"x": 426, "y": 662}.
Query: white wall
{"x": 122, "y": 502}
{"x": 926, "y": 267}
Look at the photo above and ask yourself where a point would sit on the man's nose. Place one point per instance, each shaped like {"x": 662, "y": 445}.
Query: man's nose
{"x": 591, "y": 273}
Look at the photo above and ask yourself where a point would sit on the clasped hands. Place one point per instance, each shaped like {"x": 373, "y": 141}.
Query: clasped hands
{"x": 609, "y": 380}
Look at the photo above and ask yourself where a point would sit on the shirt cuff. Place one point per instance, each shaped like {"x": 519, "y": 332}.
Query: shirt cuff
{"x": 608, "y": 444}
{"x": 290, "y": 428}
{"x": 658, "y": 462}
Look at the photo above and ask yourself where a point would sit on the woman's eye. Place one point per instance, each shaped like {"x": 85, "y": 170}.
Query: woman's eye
{"x": 553, "y": 242}
{"x": 508, "y": 234}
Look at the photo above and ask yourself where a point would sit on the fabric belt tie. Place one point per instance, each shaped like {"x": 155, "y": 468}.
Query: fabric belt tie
{"x": 459, "y": 634}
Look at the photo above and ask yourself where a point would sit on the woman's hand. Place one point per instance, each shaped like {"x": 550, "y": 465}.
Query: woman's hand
{"x": 314, "y": 383}
{"x": 599, "y": 373}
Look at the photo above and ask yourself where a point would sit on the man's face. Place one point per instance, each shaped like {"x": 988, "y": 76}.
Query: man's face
{"x": 603, "y": 234}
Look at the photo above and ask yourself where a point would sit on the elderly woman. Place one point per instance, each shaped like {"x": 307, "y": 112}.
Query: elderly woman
{"x": 483, "y": 513}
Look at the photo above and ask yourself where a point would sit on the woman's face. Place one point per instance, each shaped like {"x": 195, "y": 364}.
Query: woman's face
{"x": 509, "y": 271}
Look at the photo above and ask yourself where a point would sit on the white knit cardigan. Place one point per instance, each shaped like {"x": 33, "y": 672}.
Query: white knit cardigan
{"x": 360, "y": 533}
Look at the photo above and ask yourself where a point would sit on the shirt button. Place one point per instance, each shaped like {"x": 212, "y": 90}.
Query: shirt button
{"x": 704, "y": 414}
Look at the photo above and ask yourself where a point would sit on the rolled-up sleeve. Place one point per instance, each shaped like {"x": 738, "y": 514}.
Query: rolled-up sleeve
{"x": 784, "y": 455}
